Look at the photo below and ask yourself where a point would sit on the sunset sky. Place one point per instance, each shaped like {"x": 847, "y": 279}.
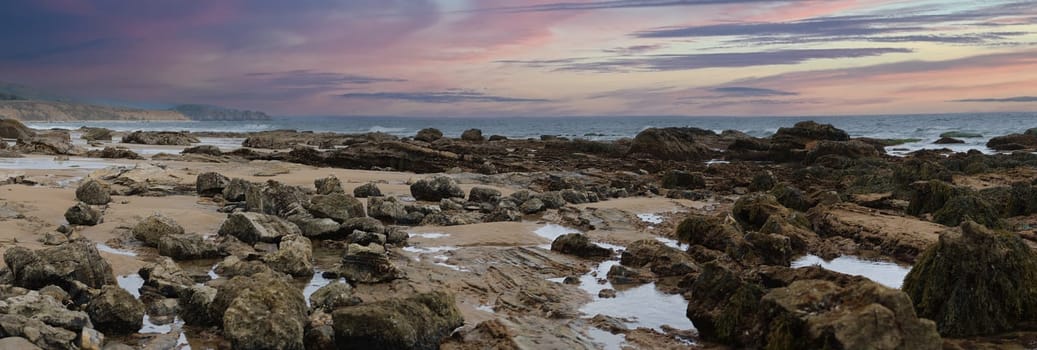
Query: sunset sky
{"x": 531, "y": 58}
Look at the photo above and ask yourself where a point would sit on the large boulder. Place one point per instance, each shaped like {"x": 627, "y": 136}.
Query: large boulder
{"x": 975, "y": 281}
{"x": 210, "y": 184}
{"x": 336, "y": 206}
{"x": 659, "y": 258}
{"x": 83, "y": 214}
{"x": 275, "y": 198}
{"x": 428, "y": 135}
{"x": 153, "y": 228}
{"x": 46, "y": 309}
{"x": 805, "y": 133}
{"x": 187, "y": 247}
{"x": 328, "y": 185}
{"x": 677, "y": 179}
{"x": 484, "y": 195}
{"x": 257, "y": 227}
{"x": 472, "y": 135}
{"x": 579, "y": 245}
{"x": 840, "y": 149}
{"x": 96, "y": 134}
{"x": 294, "y": 256}
{"x": 60, "y": 265}
{"x": 116, "y": 311}
{"x": 419, "y": 322}
{"x": 367, "y": 190}
{"x": 266, "y": 312}
{"x": 94, "y": 192}
{"x": 672, "y": 144}
{"x": 14, "y": 129}
{"x": 753, "y": 210}
{"x": 951, "y": 205}
{"x": 333, "y": 296}
{"x": 57, "y": 142}
{"x": 436, "y": 189}
{"x": 1013, "y": 142}
{"x": 235, "y": 190}
{"x": 368, "y": 264}
{"x": 167, "y": 138}
{"x": 166, "y": 277}
{"x": 386, "y": 208}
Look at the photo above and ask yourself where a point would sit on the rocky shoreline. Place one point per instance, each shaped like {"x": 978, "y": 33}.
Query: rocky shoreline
{"x": 677, "y": 238}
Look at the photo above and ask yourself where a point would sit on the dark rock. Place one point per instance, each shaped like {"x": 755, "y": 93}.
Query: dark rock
{"x": 975, "y": 281}
{"x": 428, "y": 135}
{"x": 275, "y": 198}
{"x": 951, "y": 205}
{"x": 235, "y": 190}
{"x": 14, "y": 129}
{"x": 328, "y": 185}
{"x": 753, "y": 210}
{"x": 948, "y": 141}
{"x": 210, "y": 184}
{"x": 366, "y": 224}
{"x": 364, "y": 238}
{"x": 52, "y": 142}
{"x": 336, "y": 206}
{"x": 484, "y": 195}
{"x": 417, "y": 322}
{"x": 266, "y": 313}
{"x": 333, "y": 296}
{"x": 676, "y": 179}
{"x": 194, "y": 305}
{"x": 804, "y": 133}
{"x": 154, "y": 227}
{"x": 726, "y": 309}
{"x": 1013, "y": 142}
{"x": 113, "y": 153}
{"x": 83, "y": 214}
{"x": 116, "y": 311}
{"x": 672, "y": 144}
{"x": 960, "y": 135}
{"x": 38, "y": 333}
{"x": 187, "y": 247}
{"x": 368, "y": 264}
{"x": 386, "y": 208}
{"x": 845, "y": 149}
{"x": 791, "y": 197}
{"x": 96, "y": 134}
{"x": 659, "y": 258}
{"x": 532, "y": 206}
{"x": 294, "y": 256}
{"x": 579, "y": 245}
{"x": 472, "y": 135}
{"x": 552, "y": 200}
{"x": 60, "y": 265}
{"x": 256, "y": 227}
{"x": 93, "y": 192}
{"x": 436, "y": 189}
{"x": 367, "y": 190}
{"x": 169, "y": 138}
{"x": 210, "y": 150}
{"x": 166, "y": 277}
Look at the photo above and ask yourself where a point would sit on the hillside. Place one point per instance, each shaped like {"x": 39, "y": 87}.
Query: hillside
{"x": 33, "y": 110}
{"x": 207, "y": 112}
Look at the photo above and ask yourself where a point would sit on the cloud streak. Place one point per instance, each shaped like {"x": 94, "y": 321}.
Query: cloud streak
{"x": 616, "y": 4}
{"x": 450, "y": 96}
{"x": 659, "y": 63}
{"x": 1001, "y": 100}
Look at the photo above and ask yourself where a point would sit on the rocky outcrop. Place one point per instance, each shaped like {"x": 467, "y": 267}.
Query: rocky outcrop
{"x": 294, "y": 256}
{"x": 96, "y": 134}
{"x": 368, "y": 264}
{"x": 672, "y": 144}
{"x": 336, "y": 206}
{"x": 418, "y": 322}
{"x": 436, "y": 189}
{"x": 256, "y": 227}
{"x": 166, "y": 138}
{"x": 484, "y": 195}
{"x": 210, "y": 184}
{"x": 472, "y": 135}
{"x": 579, "y": 245}
{"x": 1014, "y": 142}
{"x": 77, "y": 261}
{"x": 677, "y": 179}
{"x": 116, "y": 311}
{"x": 948, "y": 141}
{"x": 93, "y": 192}
{"x": 209, "y": 150}
{"x": 264, "y": 312}
{"x": 951, "y": 205}
{"x": 113, "y": 153}
{"x": 153, "y": 228}
{"x": 14, "y": 129}
{"x": 428, "y": 135}
{"x": 83, "y": 214}
{"x": 236, "y": 189}
{"x": 975, "y": 281}
{"x": 54, "y": 142}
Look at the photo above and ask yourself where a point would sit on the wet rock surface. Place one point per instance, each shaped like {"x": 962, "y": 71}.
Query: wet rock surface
{"x": 418, "y": 322}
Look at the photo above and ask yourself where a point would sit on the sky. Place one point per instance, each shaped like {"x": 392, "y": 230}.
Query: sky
{"x": 531, "y": 58}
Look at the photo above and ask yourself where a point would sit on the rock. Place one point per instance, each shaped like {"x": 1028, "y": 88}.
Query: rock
{"x": 725, "y": 309}
{"x": 364, "y": 238}
{"x": 234, "y": 266}
{"x": 154, "y": 227}
{"x": 14, "y": 129}
{"x": 948, "y": 141}
{"x": 754, "y": 209}
{"x": 552, "y": 199}
{"x": 472, "y": 135}
{"x": 45, "y": 309}
{"x": 17, "y": 343}
{"x": 676, "y": 179}
{"x": 210, "y": 150}
{"x": 187, "y": 247}
{"x": 333, "y": 296}
{"x": 844, "y": 149}
{"x": 83, "y": 214}
{"x": 268, "y": 313}
{"x": 366, "y": 224}
{"x": 368, "y": 264}
{"x": 579, "y": 245}
{"x": 791, "y": 197}
{"x": 59, "y": 265}
{"x": 210, "y": 184}
{"x": 256, "y": 227}
{"x": 417, "y": 322}
{"x": 961, "y": 135}
{"x": 435, "y": 189}
{"x": 607, "y": 293}
{"x": 235, "y": 190}
{"x": 114, "y": 153}
{"x": 532, "y": 206}
{"x": 275, "y": 198}
{"x": 194, "y": 305}
{"x": 951, "y": 205}
{"x": 294, "y": 256}
{"x": 941, "y": 282}
{"x": 314, "y": 227}
{"x": 1013, "y": 142}
{"x": 453, "y": 218}
{"x": 680, "y": 144}
{"x": 168, "y": 138}
{"x": 93, "y": 192}
{"x": 166, "y": 277}
{"x": 622, "y": 275}
{"x": 807, "y": 132}
{"x": 38, "y": 333}
{"x": 51, "y": 142}
{"x": 484, "y": 195}
{"x": 386, "y": 208}
{"x": 428, "y": 135}
{"x": 336, "y": 206}
{"x": 54, "y": 238}
{"x": 763, "y": 182}
{"x": 328, "y": 185}
{"x": 661, "y": 259}
{"x": 116, "y": 311}
{"x": 575, "y": 197}
{"x": 367, "y": 190}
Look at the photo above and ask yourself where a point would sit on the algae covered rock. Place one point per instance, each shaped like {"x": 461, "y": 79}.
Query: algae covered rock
{"x": 266, "y": 312}
{"x": 579, "y": 245}
{"x": 975, "y": 281}
{"x": 677, "y": 179}
{"x": 367, "y": 190}
{"x": 153, "y": 228}
{"x": 257, "y": 227}
{"x": 83, "y": 214}
{"x": 952, "y": 205}
{"x": 672, "y": 144}
{"x": 428, "y": 135}
{"x": 60, "y": 265}
{"x": 436, "y": 189}
{"x": 753, "y": 210}
{"x": 116, "y": 311}
{"x": 94, "y": 192}
{"x": 418, "y": 322}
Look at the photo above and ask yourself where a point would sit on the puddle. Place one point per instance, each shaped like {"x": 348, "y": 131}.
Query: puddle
{"x": 485, "y": 308}
{"x": 432, "y": 235}
{"x": 35, "y": 163}
{"x": 885, "y": 273}
{"x": 428, "y": 250}
{"x": 650, "y": 218}
{"x": 441, "y": 261}
{"x": 108, "y": 249}
{"x": 131, "y": 283}
{"x": 212, "y": 272}
{"x": 607, "y": 340}
{"x": 551, "y": 232}
{"x": 673, "y": 243}
{"x": 642, "y": 306}
{"x": 317, "y": 282}
{"x": 716, "y": 161}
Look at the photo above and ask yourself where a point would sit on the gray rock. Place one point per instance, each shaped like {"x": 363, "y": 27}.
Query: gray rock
{"x": 210, "y": 184}
{"x": 579, "y": 245}
{"x": 365, "y": 238}
{"x": 368, "y": 264}
{"x": 266, "y": 313}
{"x": 333, "y": 296}
{"x": 257, "y": 227}
{"x": 235, "y": 190}
{"x": 116, "y": 311}
{"x": 314, "y": 227}
{"x": 472, "y": 135}
{"x": 74, "y": 261}
{"x": 435, "y": 189}
{"x": 362, "y": 224}
{"x": 386, "y": 208}
{"x": 187, "y": 247}
{"x": 336, "y": 206}
{"x": 428, "y": 135}
{"x": 367, "y": 190}
{"x": 38, "y": 333}
{"x": 17, "y": 343}
{"x": 532, "y": 206}
{"x": 484, "y": 195}
{"x": 94, "y": 192}
{"x": 154, "y": 227}
{"x": 194, "y": 305}
{"x": 418, "y": 322}
{"x": 170, "y": 138}
{"x": 166, "y": 277}
{"x": 328, "y": 185}
{"x": 552, "y": 200}
{"x": 294, "y": 256}
{"x": 83, "y": 214}
{"x": 45, "y": 309}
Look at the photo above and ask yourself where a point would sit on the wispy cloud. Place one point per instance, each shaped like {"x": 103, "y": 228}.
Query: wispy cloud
{"x": 704, "y": 60}
{"x": 1006, "y": 99}
{"x": 449, "y": 96}
{"x": 615, "y": 4}
{"x": 745, "y": 91}
{"x": 309, "y": 78}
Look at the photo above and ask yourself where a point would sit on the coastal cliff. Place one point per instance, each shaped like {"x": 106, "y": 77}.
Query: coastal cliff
{"x": 29, "y": 110}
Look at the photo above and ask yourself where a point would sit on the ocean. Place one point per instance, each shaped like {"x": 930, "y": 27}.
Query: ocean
{"x": 925, "y": 128}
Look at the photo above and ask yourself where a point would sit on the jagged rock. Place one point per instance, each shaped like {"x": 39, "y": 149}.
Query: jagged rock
{"x": 93, "y": 192}
{"x": 754, "y": 209}
{"x": 417, "y": 322}
{"x": 333, "y": 296}
{"x": 169, "y": 138}
{"x": 265, "y": 313}
{"x": 256, "y": 227}
{"x": 621, "y": 275}
{"x": 952, "y": 205}
{"x": 386, "y": 208}
{"x": 672, "y": 144}
{"x": 38, "y": 333}
{"x": 194, "y": 304}
{"x": 154, "y": 227}
{"x": 975, "y": 281}
{"x": 113, "y": 153}
{"x": 575, "y": 197}
{"x": 804, "y": 133}
{"x": 484, "y": 195}
{"x": 365, "y": 224}
{"x": 658, "y": 257}
{"x": 235, "y": 190}
{"x": 116, "y": 311}
{"x": 60, "y": 265}
{"x": 210, "y": 184}
{"x": 791, "y": 197}
{"x": 532, "y": 206}
{"x": 166, "y": 277}
{"x": 234, "y": 266}
{"x": 472, "y": 135}
{"x": 763, "y": 182}
{"x": 367, "y": 190}
{"x": 328, "y": 185}
{"x": 435, "y": 189}
{"x": 726, "y": 309}
{"x": 676, "y": 179}
{"x": 83, "y": 214}
{"x": 428, "y": 135}
{"x": 294, "y": 256}
{"x": 210, "y": 150}
{"x": 452, "y": 218}
{"x": 314, "y": 227}
{"x": 55, "y": 142}
{"x": 14, "y": 129}
{"x": 579, "y": 245}
{"x": 368, "y": 264}
{"x": 275, "y": 198}
{"x": 336, "y": 206}
{"x": 187, "y": 247}
{"x": 45, "y": 309}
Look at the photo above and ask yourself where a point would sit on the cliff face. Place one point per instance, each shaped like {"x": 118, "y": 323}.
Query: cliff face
{"x": 61, "y": 111}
